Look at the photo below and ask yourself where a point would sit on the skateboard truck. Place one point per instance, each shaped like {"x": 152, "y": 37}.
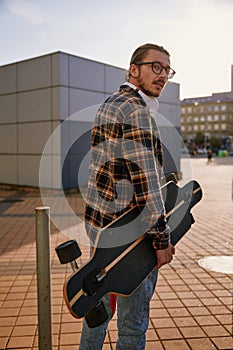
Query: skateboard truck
{"x": 92, "y": 282}
{"x": 68, "y": 252}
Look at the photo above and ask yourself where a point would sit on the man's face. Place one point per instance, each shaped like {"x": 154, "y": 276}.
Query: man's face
{"x": 145, "y": 79}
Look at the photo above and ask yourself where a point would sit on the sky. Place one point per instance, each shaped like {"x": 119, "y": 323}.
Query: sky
{"x": 197, "y": 33}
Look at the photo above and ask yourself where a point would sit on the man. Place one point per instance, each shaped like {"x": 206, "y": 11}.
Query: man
{"x": 125, "y": 170}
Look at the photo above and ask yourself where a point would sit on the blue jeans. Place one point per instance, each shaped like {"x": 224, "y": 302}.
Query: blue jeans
{"x": 132, "y": 319}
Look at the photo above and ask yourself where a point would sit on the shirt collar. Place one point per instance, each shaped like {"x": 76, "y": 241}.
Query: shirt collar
{"x": 152, "y": 102}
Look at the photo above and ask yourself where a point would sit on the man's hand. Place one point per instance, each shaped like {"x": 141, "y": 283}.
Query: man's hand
{"x": 164, "y": 256}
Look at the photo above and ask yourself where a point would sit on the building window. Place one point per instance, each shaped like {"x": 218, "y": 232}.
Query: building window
{"x": 202, "y": 109}
{"x": 189, "y": 109}
{"x": 202, "y": 118}
{"x": 183, "y": 110}
{"x": 209, "y": 108}
{"x": 183, "y": 128}
{"x": 223, "y": 126}
{"x": 216, "y": 108}
{"x": 223, "y": 107}
{"x": 223, "y": 117}
{"x": 196, "y": 119}
{"x": 216, "y": 127}
{"x": 209, "y": 118}
{"x": 195, "y": 127}
{"x": 189, "y": 119}
{"x": 202, "y": 127}
{"x": 216, "y": 118}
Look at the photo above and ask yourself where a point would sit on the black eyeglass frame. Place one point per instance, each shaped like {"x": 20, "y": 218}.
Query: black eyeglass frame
{"x": 170, "y": 74}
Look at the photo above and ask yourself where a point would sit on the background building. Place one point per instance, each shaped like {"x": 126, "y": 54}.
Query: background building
{"x": 36, "y": 98}
{"x": 208, "y": 121}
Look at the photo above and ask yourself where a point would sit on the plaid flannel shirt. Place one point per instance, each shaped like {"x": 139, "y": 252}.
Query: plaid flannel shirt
{"x": 126, "y": 166}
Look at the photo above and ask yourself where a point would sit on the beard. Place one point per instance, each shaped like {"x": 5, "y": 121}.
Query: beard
{"x": 146, "y": 91}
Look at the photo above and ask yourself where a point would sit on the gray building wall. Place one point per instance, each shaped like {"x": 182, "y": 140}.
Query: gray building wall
{"x": 36, "y": 98}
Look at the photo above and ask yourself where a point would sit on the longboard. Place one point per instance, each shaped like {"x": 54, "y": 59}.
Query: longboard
{"x": 122, "y": 258}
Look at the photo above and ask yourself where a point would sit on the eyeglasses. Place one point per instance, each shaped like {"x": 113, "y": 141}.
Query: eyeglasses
{"x": 157, "y": 68}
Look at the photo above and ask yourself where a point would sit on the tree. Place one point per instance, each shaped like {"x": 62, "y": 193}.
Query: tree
{"x": 199, "y": 138}
{"x": 215, "y": 142}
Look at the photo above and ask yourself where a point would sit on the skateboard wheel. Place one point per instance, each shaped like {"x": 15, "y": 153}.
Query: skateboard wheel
{"x": 97, "y": 316}
{"x": 68, "y": 251}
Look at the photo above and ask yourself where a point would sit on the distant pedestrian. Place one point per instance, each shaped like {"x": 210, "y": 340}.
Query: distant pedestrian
{"x": 209, "y": 156}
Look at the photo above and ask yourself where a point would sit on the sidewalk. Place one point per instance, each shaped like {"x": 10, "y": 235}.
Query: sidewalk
{"x": 192, "y": 306}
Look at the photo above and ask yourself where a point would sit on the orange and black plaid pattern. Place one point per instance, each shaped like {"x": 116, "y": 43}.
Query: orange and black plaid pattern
{"x": 126, "y": 166}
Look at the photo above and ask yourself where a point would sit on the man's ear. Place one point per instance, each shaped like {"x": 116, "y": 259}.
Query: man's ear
{"x": 134, "y": 71}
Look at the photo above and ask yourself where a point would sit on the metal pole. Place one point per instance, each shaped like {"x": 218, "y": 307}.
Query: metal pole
{"x": 43, "y": 277}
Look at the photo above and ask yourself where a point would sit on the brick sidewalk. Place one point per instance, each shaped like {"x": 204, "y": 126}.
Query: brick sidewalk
{"x": 191, "y": 308}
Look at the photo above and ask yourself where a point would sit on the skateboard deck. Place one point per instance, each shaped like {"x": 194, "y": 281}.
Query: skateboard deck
{"x": 120, "y": 268}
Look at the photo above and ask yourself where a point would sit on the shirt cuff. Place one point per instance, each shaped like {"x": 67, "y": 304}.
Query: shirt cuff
{"x": 160, "y": 234}
{"x": 161, "y": 243}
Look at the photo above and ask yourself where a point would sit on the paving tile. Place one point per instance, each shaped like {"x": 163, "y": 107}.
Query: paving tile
{"x": 198, "y": 287}
{"x": 192, "y": 302}
{"x": 163, "y": 323}
{"x": 181, "y": 288}
{"x": 206, "y": 320}
{"x": 8, "y": 321}
{"x": 185, "y": 321}
{"x": 198, "y": 311}
{"x": 224, "y": 319}
{"x": 107, "y": 347}
{"x": 204, "y": 294}
{"x": 178, "y": 312}
{"x": 192, "y": 332}
{"x": 168, "y": 295}
{"x": 28, "y": 310}
{"x": 156, "y": 304}
{"x": 222, "y": 293}
{"x": 173, "y": 303}
{"x": 176, "y": 345}
{"x": 19, "y": 342}
{"x": 151, "y": 335}
{"x": 14, "y": 311}
{"x": 186, "y": 295}
{"x": 71, "y": 327}
{"x": 24, "y": 330}
{"x": 26, "y": 320}
{"x": 7, "y": 304}
{"x": 5, "y": 331}
{"x": 113, "y": 325}
{"x": 70, "y": 338}
{"x": 169, "y": 333}
{"x": 218, "y": 310}
{"x": 211, "y": 301}
{"x": 3, "y": 342}
{"x": 229, "y": 328}
{"x": 212, "y": 331}
{"x": 15, "y": 296}
{"x": 226, "y": 300}
{"x": 159, "y": 313}
{"x": 201, "y": 343}
{"x": 153, "y": 345}
{"x": 113, "y": 335}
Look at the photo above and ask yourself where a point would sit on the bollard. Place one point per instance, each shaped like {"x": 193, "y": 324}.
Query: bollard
{"x": 43, "y": 277}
